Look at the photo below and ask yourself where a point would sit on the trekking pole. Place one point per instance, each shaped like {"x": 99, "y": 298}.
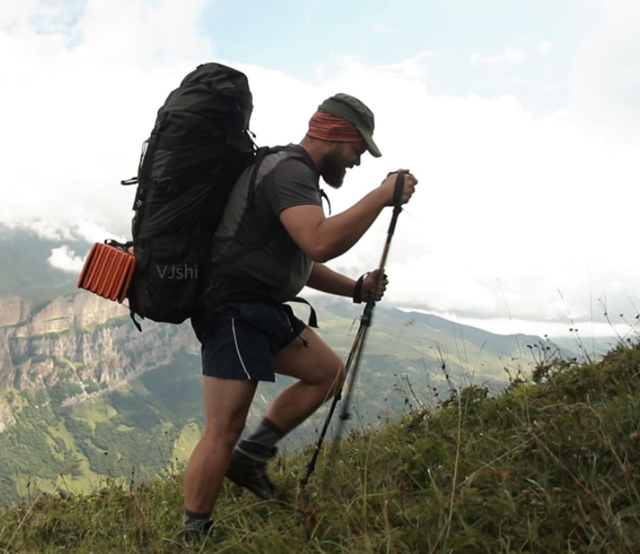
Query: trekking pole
{"x": 358, "y": 343}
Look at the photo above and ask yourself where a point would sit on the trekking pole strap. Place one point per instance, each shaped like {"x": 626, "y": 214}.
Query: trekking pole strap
{"x": 357, "y": 290}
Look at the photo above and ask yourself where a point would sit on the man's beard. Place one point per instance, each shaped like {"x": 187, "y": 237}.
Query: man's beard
{"x": 333, "y": 169}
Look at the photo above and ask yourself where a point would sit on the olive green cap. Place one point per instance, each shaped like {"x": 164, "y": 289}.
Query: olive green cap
{"x": 350, "y": 108}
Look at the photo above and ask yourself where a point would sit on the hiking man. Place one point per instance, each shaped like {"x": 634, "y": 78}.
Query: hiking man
{"x": 248, "y": 334}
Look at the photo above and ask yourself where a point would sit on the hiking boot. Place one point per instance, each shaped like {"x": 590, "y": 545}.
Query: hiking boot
{"x": 192, "y": 535}
{"x": 248, "y": 469}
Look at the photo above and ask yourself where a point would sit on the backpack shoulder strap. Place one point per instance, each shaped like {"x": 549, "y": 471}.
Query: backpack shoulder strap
{"x": 261, "y": 153}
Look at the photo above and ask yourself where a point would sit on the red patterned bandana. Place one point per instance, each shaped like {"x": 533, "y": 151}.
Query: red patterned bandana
{"x": 326, "y": 126}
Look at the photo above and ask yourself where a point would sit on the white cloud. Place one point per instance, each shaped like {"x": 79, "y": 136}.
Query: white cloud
{"x": 66, "y": 259}
{"x": 86, "y": 107}
{"x": 414, "y": 68}
{"x": 544, "y": 47}
{"x": 605, "y": 80}
{"x": 48, "y": 229}
{"x": 510, "y": 56}
{"x": 59, "y": 230}
{"x": 509, "y": 209}
{"x": 92, "y": 232}
{"x": 17, "y": 13}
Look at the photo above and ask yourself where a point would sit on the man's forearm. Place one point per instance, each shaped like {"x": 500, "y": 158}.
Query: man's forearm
{"x": 325, "y": 279}
{"x": 337, "y": 234}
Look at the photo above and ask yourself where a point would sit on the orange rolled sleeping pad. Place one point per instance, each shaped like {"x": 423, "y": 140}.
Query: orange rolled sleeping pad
{"x": 107, "y": 272}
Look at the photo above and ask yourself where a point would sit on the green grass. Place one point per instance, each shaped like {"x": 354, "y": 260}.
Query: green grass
{"x": 545, "y": 467}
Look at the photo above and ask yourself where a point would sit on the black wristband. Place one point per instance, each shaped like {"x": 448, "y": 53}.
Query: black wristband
{"x": 357, "y": 290}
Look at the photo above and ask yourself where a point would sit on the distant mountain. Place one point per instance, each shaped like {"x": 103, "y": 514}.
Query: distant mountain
{"x": 430, "y": 341}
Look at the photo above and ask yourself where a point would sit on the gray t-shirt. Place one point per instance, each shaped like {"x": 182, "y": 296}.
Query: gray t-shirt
{"x": 277, "y": 269}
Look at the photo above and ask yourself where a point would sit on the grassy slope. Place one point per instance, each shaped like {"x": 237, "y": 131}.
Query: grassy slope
{"x": 549, "y": 467}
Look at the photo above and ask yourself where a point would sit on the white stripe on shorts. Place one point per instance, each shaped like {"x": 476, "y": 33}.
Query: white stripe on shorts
{"x": 235, "y": 340}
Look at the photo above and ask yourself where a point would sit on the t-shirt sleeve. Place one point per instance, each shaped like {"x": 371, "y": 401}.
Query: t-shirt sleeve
{"x": 292, "y": 183}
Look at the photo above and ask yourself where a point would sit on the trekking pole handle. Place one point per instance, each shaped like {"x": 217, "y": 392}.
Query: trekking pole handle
{"x": 397, "y": 193}
{"x": 397, "y": 207}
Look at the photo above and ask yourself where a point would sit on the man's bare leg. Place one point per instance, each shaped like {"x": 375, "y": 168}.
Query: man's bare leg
{"x": 227, "y": 403}
{"x": 320, "y": 373}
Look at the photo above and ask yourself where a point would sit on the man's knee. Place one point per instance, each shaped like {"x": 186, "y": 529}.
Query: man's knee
{"x": 224, "y": 433}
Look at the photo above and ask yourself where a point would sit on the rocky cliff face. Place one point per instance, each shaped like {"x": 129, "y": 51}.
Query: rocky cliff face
{"x": 81, "y": 339}
{"x": 13, "y": 311}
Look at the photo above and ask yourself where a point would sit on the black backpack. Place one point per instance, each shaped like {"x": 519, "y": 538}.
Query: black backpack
{"x": 198, "y": 147}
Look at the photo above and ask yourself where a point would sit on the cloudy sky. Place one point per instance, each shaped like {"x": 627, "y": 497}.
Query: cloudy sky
{"x": 519, "y": 117}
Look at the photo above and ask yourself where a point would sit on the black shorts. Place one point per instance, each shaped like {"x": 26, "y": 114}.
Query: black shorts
{"x": 239, "y": 340}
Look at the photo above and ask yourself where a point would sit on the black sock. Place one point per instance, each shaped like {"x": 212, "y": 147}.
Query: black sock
{"x": 267, "y": 434}
{"x": 203, "y": 522}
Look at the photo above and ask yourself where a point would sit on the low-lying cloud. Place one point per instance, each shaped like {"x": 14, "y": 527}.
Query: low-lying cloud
{"x": 66, "y": 259}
